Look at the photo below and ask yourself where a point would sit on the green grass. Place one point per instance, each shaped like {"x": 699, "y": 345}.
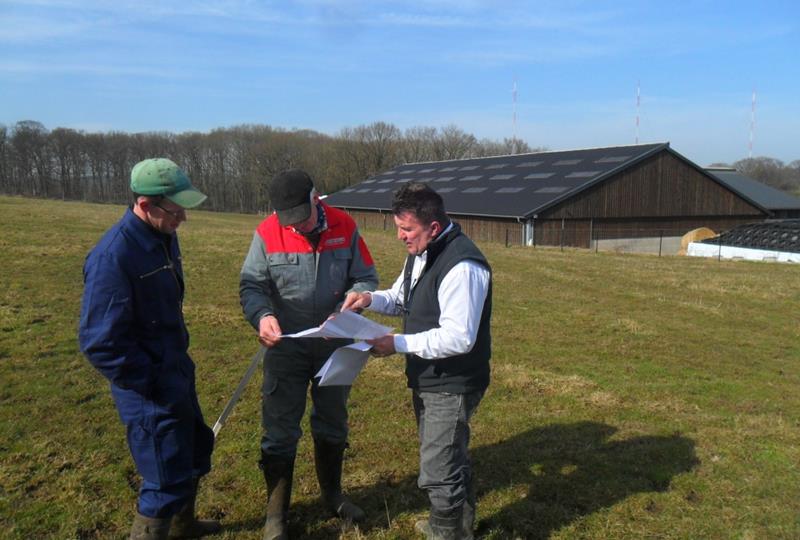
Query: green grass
{"x": 632, "y": 396}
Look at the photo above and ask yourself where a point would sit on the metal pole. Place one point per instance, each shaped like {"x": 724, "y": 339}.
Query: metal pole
{"x": 239, "y": 389}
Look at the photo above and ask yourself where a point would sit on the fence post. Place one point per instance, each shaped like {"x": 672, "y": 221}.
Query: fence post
{"x": 561, "y": 240}
{"x": 506, "y": 237}
{"x": 719, "y": 249}
{"x": 660, "y": 241}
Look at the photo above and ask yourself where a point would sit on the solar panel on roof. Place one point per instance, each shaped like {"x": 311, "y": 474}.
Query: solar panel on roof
{"x": 552, "y": 189}
{"x": 425, "y": 179}
{"x": 612, "y": 159}
{"x": 363, "y": 191}
{"x": 562, "y": 162}
{"x": 448, "y": 169}
{"x": 386, "y": 181}
{"x": 509, "y": 190}
{"x": 502, "y": 177}
{"x": 496, "y": 166}
{"x": 582, "y": 174}
{"x": 422, "y": 171}
{"x": 381, "y": 190}
{"x": 445, "y": 189}
{"x": 530, "y": 164}
{"x": 474, "y": 190}
{"x": 471, "y": 178}
{"x": 404, "y": 180}
{"x": 369, "y": 181}
{"x": 539, "y": 175}
{"x": 444, "y": 178}
{"x": 469, "y": 168}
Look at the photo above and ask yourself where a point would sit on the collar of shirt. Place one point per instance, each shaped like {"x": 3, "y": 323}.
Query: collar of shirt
{"x": 145, "y": 235}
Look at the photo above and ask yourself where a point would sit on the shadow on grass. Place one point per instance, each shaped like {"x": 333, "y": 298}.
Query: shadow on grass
{"x": 567, "y": 471}
{"x": 554, "y": 475}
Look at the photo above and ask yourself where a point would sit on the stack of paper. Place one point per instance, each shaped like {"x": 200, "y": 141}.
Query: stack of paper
{"x": 346, "y": 362}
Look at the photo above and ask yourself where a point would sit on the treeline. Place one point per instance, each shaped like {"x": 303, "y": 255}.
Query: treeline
{"x": 231, "y": 165}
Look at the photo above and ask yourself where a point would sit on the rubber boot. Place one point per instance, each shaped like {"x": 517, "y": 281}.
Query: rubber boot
{"x": 147, "y": 528}
{"x": 185, "y": 523}
{"x": 328, "y": 461}
{"x": 441, "y": 526}
{"x": 278, "y": 472}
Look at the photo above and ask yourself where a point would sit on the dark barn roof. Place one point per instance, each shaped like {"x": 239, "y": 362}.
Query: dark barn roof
{"x": 515, "y": 186}
{"x": 766, "y": 196}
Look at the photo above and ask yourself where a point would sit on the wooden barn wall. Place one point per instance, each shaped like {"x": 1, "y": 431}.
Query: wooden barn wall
{"x": 581, "y": 232}
{"x": 661, "y": 186}
{"x": 479, "y": 229}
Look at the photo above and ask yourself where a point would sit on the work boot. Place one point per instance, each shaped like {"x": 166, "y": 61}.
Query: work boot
{"x": 328, "y": 461}
{"x": 147, "y": 528}
{"x": 186, "y": 525}
{"x": 440, "y": 526}
{"x": 278, "y": 472}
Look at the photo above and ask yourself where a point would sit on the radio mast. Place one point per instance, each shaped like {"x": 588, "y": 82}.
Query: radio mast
{"x": 752, "y": 123}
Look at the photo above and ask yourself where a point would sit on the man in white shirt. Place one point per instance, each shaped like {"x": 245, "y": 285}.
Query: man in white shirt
{"x": 444, "y": 295}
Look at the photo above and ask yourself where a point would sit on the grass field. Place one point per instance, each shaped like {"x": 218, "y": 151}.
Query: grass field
{"x": 632, "y": 396}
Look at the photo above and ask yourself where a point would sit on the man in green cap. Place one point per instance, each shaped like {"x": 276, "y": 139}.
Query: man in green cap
{"x": 132, "y": 330}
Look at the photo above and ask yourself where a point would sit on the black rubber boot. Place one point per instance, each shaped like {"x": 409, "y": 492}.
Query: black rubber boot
{"x": 147, "y": 528}
{"x": 328, "y": 461}
{"x": 278, "y": 472}
{"x": 186, "y": 525}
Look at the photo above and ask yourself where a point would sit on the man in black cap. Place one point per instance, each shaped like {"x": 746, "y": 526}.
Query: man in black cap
{"x": 302, "y": 262}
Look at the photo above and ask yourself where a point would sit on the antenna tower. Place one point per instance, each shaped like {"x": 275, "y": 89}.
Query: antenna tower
{"x": 752, "y": 124}
{"x": 638, "y": 92}
{"x": 514, "y": 117}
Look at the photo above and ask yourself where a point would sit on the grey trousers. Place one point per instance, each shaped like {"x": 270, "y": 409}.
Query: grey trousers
{"x": 444, "y": 467}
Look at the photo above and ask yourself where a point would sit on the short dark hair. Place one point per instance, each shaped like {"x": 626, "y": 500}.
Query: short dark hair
{"x": 422, "y": 201}
{"x": 154, "y": 198}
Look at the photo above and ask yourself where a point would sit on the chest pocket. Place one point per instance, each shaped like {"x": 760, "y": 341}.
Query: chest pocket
{"x": 160, "y": 302}
{"x": 285, "y": 272}
{"x": 339, "y": 271}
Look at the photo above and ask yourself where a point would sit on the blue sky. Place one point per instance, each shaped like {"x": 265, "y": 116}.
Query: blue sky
{"x": 324, "y": 65}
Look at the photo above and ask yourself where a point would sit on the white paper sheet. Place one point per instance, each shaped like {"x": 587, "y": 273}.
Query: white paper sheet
{"x": 344, "y": 365}
{"x": 347, "y": 324}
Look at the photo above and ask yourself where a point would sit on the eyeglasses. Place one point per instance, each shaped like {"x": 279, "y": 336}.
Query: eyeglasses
{"x": 177, "y": 214}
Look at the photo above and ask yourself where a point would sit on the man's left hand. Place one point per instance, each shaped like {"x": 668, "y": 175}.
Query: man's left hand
{"x": 383, "y": 346}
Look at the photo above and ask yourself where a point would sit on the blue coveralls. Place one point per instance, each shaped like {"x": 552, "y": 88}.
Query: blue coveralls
{"x": 132, "y": 331}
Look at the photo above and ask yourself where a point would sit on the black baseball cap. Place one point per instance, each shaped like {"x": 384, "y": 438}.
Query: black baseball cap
{"x": 290, "y": 195}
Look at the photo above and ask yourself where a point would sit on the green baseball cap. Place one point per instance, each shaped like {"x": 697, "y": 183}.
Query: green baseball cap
{"x": 161, "y": 176}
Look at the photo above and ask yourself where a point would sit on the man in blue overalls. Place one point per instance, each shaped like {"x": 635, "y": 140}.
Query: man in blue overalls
{"x": 132, "y": 330}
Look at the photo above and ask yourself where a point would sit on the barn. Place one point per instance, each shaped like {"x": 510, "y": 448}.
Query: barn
{"x": 582, "y": 198}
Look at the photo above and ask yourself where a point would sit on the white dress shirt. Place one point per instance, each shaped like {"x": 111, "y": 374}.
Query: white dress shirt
{"x": 461, "y": 295}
